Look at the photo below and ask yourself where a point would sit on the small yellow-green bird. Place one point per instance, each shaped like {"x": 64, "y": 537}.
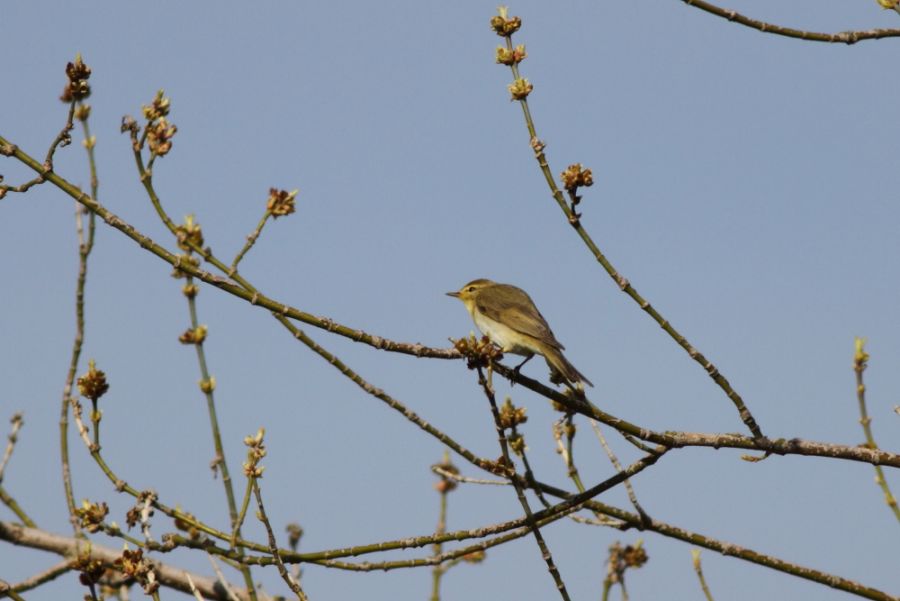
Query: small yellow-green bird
{"x": 507, "y": 316}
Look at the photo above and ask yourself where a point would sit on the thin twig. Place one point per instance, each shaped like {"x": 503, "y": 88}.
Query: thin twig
{"x": 381, "y": 395}
{"x": 615, "y": 461}
{"x": 538, "y": 147}
{"x": 10, "y": 502}
{"x": 566, "y": 426}
{"x": 194, "y": 590}
{"x": 17, "y": 423}
{"x": 529, "y": 476}
{"x": 236, "y": 528}
{"x": 601, "y": 521}
{"x": 467, "y": 479}
{"x": 85, "y": 246}
{"x": 843, "y": 37}
{"x": 542, "y": 518}
{"x": 63, "y": 138}
{"x": 273, "y": 545}
{"x": 730, "y": 549}
{"x": 860, "y": 362}
{"x": 246, "y": 290}
{"x": 673, "y": 439}
{"x": 207, "y": 387}
{"x": 232, "y": 594}
{"x": 569, "y": 503}
{"x": 447, "y": 484}
{"x": 695, "y": 555}
{"x": 251, "y": 240}
{"x": 51, "y": 573}
{"x": 520, "y": 494}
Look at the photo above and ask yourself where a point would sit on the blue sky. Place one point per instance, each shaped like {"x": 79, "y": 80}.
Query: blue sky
{"x": 745, "y": 184}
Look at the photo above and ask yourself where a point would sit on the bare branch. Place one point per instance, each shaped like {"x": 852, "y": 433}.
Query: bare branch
{"x": 167, "y": 575}
{"x": 17, "y": 423}
{"x": 47, "y": 575}
{"x": 729, "y": 549}
{"x": 843, "y": 37}
{"x": 532, "y": 523}
{"x": 584, "y": 178}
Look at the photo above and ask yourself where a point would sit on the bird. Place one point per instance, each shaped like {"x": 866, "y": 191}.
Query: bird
{"x": 509, "y": 318}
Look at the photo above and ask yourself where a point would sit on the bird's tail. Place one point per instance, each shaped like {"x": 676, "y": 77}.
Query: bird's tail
{"x": 557, "y": 362}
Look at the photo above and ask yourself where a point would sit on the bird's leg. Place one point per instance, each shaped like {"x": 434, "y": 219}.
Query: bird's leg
{"x": 518, "y": 367}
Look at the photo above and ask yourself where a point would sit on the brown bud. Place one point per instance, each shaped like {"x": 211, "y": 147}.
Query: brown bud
{"x": 520, "y": 89}
{"x": 184, "y": 260}
{"x": 295, "y": 533}
{"x": 91, "y": 515}
{"x": 510, "y": 415}
{"x": 193, "y": 335}
{"x": 509, "y": 57}
{"x": 93, "y": 384}
{"x": 159, "y": 136}
{"x": 190, "y": 235}
{"x": 281, "y": 202}
{"x": 575, "y": 177}
{"x": 635, "y": 556}
{"x": 504, "y": 25}
{"x": 134, "y": 565}
{"x": 129, "y": 124}
{"x": 158, "y": 108}
{"x": 91, "y": 570}
{"x": 77, "y": 88}
{"x": 517, "y": 444}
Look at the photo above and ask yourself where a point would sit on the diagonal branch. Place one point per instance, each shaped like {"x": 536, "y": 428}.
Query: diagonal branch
{"x": 860, "y": 362}
{"x": 253, "y": 297}
{"x": 729, "y": 549}
{"x": 520, "y": 494}
{"x": 778, "y": 446}
{"x": 794, "y": 446}
{"x": 167, "y": 575}
{"x": 40, "y": 578}
{"x": 843, "y": 37}
{"x": 621, "y": 281}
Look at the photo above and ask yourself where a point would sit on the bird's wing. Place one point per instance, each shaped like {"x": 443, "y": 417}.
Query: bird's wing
{"x": 518, "y": 312}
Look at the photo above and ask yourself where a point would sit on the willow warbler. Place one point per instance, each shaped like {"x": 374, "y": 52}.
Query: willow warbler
{"x": 507, "y": 316}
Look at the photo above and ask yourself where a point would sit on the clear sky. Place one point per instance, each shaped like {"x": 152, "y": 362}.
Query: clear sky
{"x": 746, "y": 184}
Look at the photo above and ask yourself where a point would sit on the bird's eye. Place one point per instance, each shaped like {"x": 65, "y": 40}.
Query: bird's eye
{"x": 471, "y": 288}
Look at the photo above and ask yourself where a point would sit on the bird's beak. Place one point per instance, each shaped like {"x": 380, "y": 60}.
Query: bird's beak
{"x": 453, "y": 294}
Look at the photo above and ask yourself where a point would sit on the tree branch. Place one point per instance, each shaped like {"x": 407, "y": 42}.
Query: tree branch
{"x": 843, "y": 37}
{"x": 254, "y": 298}
{"x": 167, "y": 575}
{"x": 728, "y": 549}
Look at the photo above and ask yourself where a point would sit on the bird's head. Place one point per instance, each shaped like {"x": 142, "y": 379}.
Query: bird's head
{"x": 470, "y": 291}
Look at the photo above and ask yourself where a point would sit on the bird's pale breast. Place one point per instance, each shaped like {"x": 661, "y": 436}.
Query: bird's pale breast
{"x": 507, "y": 338}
